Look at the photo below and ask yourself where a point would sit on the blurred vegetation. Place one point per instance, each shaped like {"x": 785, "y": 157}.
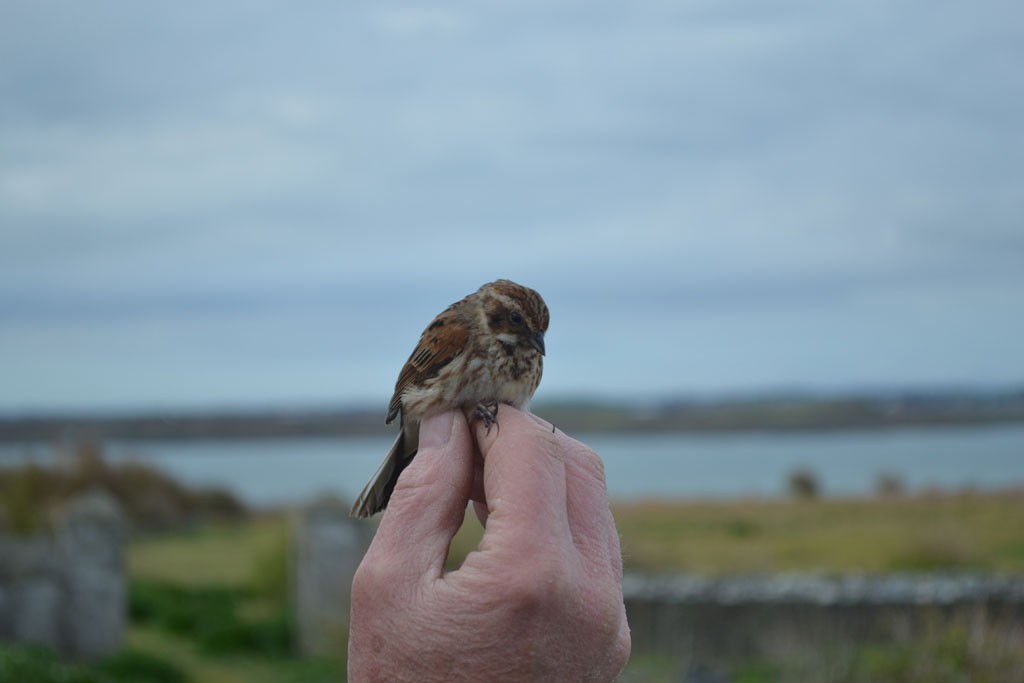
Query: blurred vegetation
{"x": 979, "y": 649}
{"x": 215, "y": 599}
{"x": 715, "y": 537}
{"x": 221, "y": 553}
{"x": 783, "y": 411}
{"x": 926, "y": 532}
{"x": 963, "y": 531}
{"x": 212, "y": 617}
{"x": 803, "y": 484}
{"x": 889, "y": 484}
{"x": 150, "y": 499}
{"x": 35, "y": 664}
{"x": 209, "y": 594}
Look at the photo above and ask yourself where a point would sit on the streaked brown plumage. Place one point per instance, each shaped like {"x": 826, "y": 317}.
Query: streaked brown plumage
{"x": 485, "y": 349}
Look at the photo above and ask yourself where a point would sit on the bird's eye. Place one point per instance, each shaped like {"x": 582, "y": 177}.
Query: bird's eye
{"x": 515, "y": 318}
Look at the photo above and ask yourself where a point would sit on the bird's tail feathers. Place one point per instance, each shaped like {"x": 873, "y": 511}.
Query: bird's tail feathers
{"x": 377, "y": 493}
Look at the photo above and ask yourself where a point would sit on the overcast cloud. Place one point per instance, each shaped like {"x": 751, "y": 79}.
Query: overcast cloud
{"x": 258, "y": 203}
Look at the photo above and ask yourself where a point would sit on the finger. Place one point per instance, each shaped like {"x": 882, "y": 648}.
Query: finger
{"x": 481, "y": 512}
{"x": 589, "y": 513}
{"x": 524, "y": 484}
{"x": 542, "y": 422}
{"x": 477, "y": 494}
{"x": 428, "y": 504}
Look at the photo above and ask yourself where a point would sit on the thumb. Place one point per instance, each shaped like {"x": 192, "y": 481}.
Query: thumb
{"x": 428, "y": 504}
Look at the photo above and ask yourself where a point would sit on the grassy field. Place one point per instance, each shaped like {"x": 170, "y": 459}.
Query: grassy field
{"x": 242, "y": 566}
{"x": 927, "y": 532}
{"x": 209, "y": 604}
{"x": 251, "y": 557}
{"x": 216, "y": 554}
{"x": 936, "y": 532}
{"x": 923, "y": 532}
{"x": 200, "y": 667}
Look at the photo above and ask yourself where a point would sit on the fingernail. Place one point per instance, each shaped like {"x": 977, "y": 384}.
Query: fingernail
{"x": 435, "y": 431}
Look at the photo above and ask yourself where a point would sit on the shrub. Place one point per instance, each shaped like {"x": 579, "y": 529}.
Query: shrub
{"x": 742, "y": 528}
{"x": 150, "y": 498}
{"x": 889, "y": 484}
{"x": 270, "y": 577}
{"x": 268, "y": 637}
{"x": 179, "y": 610}
{"x": 209, "y": 616}
{"x": 20, "y": 490}
{"x": 803, "y": 484}
{"x": 141, "y": 667}
{"x": 37, "y": 664}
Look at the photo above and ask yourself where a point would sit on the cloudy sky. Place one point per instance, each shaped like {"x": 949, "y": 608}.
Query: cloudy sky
{"x": 263, "y": 204}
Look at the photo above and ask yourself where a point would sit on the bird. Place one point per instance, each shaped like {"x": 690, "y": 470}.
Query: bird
{"x": 485, "y": 349}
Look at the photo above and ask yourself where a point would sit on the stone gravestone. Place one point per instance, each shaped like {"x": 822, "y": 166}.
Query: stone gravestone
{"x": 89, "y": 536}
{"x": 327, "y": 546}
{"x": 30, "y": 591}
{"x": 65, "y": 588}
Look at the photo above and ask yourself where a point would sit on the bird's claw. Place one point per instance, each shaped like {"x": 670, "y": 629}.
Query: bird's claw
{"x": 488, "y": 412}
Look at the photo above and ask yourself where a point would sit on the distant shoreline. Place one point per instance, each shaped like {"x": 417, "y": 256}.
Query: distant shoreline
{"x": 771, "y": 413}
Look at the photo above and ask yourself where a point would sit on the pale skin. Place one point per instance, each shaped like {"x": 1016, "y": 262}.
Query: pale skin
{"x": 539, "y": 600}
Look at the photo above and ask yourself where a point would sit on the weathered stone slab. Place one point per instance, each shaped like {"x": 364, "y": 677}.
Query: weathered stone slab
{"x": 327, "y": 546}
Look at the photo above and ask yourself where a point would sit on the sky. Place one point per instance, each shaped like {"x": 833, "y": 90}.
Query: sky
{"x": 260, "y": 204}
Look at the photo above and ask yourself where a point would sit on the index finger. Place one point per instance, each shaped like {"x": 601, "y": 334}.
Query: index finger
{"x": 524, "y": 485}
{"x": 587, "y": 512}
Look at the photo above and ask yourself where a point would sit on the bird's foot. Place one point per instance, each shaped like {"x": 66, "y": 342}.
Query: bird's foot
{"x": 488, "y": 412}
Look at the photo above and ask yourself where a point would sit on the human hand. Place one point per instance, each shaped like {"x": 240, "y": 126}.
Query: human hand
{"x": 539, "y": 600}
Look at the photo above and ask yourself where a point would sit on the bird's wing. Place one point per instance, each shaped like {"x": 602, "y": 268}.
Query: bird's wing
{"x": 443, "y": 340}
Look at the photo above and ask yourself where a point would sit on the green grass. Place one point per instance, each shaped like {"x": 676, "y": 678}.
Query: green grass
{"x": 976, "y": 649}
{"x": 970, "y": 531}
{"x": 204, "y": 668}
{"x": 214, "y": 600}
{"x": 973, "y": 531}
{"x": 955, "y": 531}
{"x": 212, "y": 617}
{"x": 224, "y": 554}
{"x": 35, "y": 664}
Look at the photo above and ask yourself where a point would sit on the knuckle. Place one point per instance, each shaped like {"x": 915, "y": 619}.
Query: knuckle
{"x": 369, "y": 577}
{"x": 540, "y": 586}
{"x": 378, "y": 575}
{"x": 602, "y": 600}
{"x": 606, "y": 612}
{"x": 587, "y": 461}
{"x": 622, "y": 647}
{"x": 592, "y": 462}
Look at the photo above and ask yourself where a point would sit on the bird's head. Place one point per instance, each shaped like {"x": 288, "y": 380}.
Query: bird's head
{"x": 516, "y": 315}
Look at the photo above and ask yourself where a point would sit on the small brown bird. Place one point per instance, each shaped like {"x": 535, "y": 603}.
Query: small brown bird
{"x": 480, "y": 351}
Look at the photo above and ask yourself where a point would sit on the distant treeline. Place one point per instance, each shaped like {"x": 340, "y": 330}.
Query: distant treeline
{"x": 793, "y": 412}
{"x": 775, "y": 412}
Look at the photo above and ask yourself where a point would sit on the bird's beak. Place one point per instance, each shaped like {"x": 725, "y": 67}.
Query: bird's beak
{"x": 537, "y": 342}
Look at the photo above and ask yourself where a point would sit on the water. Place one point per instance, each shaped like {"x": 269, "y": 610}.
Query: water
{"x": 273, "y": 471}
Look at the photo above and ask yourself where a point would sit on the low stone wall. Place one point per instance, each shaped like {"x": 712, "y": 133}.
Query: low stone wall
{"x": 66, "y": 589}
{"x": 725, "y": 619}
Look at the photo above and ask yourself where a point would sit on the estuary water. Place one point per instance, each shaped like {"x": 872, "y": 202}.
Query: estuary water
{"x": 661, "y": 465}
